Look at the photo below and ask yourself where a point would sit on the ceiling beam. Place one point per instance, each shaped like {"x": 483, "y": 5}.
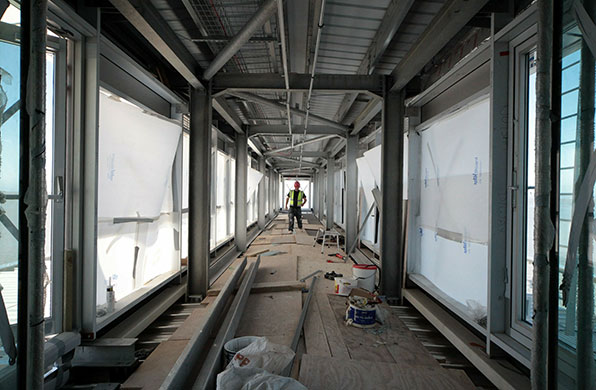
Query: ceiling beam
{"x": 294, "y": 161}
{"x": 147, "y": 20}
{"x": 298, "y": 82}
{"x": 394, "y": 16}
{"x": 371, "y": 110}
{"x": 283, "y": 130}
{"x": 282, "y": 108}
{"x": 310, "y": 141}
{"x": 230, "y": 116}
{"x": 452, "y": 17}
{"x": 256, "y": 22}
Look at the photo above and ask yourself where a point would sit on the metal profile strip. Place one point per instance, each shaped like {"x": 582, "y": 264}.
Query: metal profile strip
{"x": 209, "y": 370}
{"x": 188, "y": 359}
{"x": 298, "y": 332}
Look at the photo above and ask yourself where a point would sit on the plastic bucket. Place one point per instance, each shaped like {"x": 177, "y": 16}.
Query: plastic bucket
{"x": 235, "y": 345}
{"x": 365, "y": 275}
{"x": 363, "y": 317}
{"x": 343, "y": 286}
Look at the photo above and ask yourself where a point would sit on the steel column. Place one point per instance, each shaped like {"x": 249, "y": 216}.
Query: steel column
{"x": 321, "y": 195}
{"x": 199, "y": 192}
{"x": 261, "y": 194}
{"x": 351, "y": 208}
{"x": 330, "y": 192}
{"x": 543, "y": 226}
{"x": 392, "y": 194}
{"x": 240, "y": 198}
{"x": 33, "y": 196}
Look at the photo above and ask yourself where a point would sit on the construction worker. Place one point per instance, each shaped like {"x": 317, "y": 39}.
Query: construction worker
{"x": 297, "y": 199}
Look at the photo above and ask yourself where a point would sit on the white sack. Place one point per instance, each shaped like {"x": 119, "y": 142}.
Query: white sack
{"x": 263, "y": 354}
{"x": 245, "y": 378}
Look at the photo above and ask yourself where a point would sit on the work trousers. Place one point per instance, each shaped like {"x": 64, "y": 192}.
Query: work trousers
{"x": 295, "y": 212}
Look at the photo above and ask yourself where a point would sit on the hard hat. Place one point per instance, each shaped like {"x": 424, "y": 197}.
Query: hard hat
{"x": 296, "y": 184}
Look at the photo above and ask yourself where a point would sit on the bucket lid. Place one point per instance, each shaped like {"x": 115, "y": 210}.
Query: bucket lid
{"x": 365, "y": 266}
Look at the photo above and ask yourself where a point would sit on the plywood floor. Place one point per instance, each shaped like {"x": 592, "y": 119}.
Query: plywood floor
{"x": 333, "y": 355}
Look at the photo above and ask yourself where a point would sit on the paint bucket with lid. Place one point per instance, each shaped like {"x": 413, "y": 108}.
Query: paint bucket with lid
{"x": 343, "y": 286}
{"x": 365, "y": 275}
{"x": 362, "y": 317}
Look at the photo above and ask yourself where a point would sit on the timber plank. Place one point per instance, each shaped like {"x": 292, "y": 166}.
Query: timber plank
{"x": 324, "y": 373}
{"x": 151, "y": 374}
{"x": 314, "y": 332}
{"x": 273, "y": 315}
{"x": 361, "y": 344}
{"x": 277, "y": 268}
{"x": 402, "y": 344}
{"x": 334, "y": 337}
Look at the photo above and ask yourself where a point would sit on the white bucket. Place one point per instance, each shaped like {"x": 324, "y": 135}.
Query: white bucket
{"x": 343, "y": 286}
{"x": 235, "y": 345}
{"x": 365, "y": 275}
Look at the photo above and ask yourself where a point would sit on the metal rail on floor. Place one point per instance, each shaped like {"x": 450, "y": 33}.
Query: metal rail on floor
{"x": 212, "y": 364}
{"x": 187, "y": 361}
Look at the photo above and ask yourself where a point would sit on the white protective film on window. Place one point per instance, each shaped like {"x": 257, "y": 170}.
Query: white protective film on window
{"x": 369, "y": 177}
{"x": 252, "y": 185}
{"x": 136, "y": 154}
{"x": 454, "y": 200}
{"x": 185, "y": 178}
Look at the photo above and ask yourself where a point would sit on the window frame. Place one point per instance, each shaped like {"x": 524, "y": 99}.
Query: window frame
{"x": 519, "y": 48}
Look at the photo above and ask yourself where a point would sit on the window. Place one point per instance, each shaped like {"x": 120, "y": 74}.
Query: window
{"x": 523, "y": 184}
{"x": 136, "y": 244}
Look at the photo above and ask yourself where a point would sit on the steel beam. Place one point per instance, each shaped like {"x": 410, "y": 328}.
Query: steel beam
{"x": 298, "y": 82}
{"x": 296, "y": 162}
{"x": 310, "y": 141}
{"x": 351, "y": 221}
{"x": 368, "y": 113}
{"x": 230, "y": 116}
{"x": 212, "y": 365}
{"x": 394, "y": 16}
{"x": 454, "y": 15}
{"x": 282, "y": 108}
{"x": 256, "y": 21}
{"x": 240, "y": 197}
{"x": 147, "y": 20}
{"x": 392, "y": 194}
{"x": 261, "y": 194}
{"x": 200, "y": 192}
{"x": 329, "y": 221}
{"x": 283, "y": 130}
{"x": 179, "y": 375}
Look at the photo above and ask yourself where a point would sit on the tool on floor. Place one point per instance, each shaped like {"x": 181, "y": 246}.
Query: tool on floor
{"x": 332, "y": 275}
{"x": 310, "y": 275}
{"x": 338, "y": 255}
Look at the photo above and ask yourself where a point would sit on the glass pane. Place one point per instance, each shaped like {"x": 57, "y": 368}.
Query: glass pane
{"x": 530, "y": 167}
{"x": 9, "y": 173}
{"x": 50, "y": 140}
{"x": 576, "y": 317}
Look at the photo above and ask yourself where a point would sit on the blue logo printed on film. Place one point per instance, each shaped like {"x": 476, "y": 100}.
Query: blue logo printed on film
{"x": 466, "y": 246}
{"x": 420, "y": 231}
{"x": 111, "y": 169}
{"x": 476, "y": 171}
{"x": 436, "y": 236}
{"x": 425, "y": 177}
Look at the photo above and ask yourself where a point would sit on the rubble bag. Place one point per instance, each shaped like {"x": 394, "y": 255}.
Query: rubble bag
{"x": 264, "y": 354}
{"x": 252, "y": 378}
